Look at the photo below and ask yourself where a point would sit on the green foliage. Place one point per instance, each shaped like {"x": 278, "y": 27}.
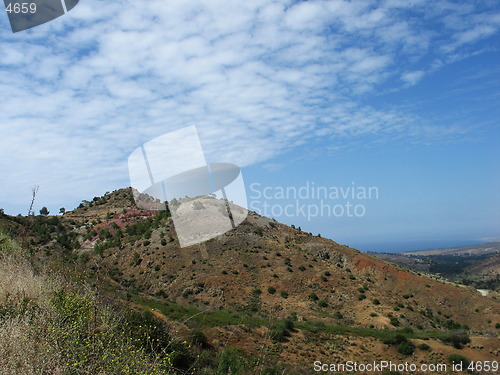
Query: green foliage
{"x": 394, "y": 321}
{"x": 395, "y": 340}
{"x": 376, "y": 301}
{"x": 92, "y": 340}
{"x": 231, "y": 361}
{"x": 284, "y": 294}
{"x": 322, "y": 303}
{"x": 271, "y": 290}
{"x": 136, "y": 259}
{"x": 256, "y": 292}
{"x": 313, "y": 296}
{"x": 424, "y": 347}
{"x": 458, "y": 358}
{"x": 457, "y": 339}
{"x": 406, "y": 348}
{"x": 198, "y": 338}
{"x": 44, "y": 211}
{"x": 281, "y": 330}
{"x": 259, "y": 232}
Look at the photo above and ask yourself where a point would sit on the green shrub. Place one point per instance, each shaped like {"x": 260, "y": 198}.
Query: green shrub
{"x": 406, "y": 348}
{"x": 322, "y": 303}
{"x": 394, "y": 321}
{"x": 231, "y": 361}
{"x": 458, "y": 358}
{"x": 198, "y": 338}
{"x": 313, "y": 296}
{"x": 425, "y": 347}
{"x": 284, "y": 294}
{"x": 395, "y": 340}
{"x": 376, "y": 301}
{"x": 457, "y": 339}
{"x": 271, "y": 290}
{"x": 280, "y": 331}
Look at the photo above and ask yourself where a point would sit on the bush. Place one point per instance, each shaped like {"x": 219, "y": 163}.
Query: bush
{"x": 198, "y": 338}
{"x": 284, "y": 294}
{"x": 231, "y": 361}
{"x": 457, "y": 339}
{"x": 271, "y": 290}
{"x": 457, "y": 358}
{"x": 406, "y": 348}
{"x": 362, "y": 296}
{"x": 425, "y": 347}
{"x": 282, "y": 330}
{"x": 394, "y": 321}
{"x": 395, "y": 340}
{"x": 322, "y": 303}
{"x": 313, "y": 296}
{"x": 376, "y": 301}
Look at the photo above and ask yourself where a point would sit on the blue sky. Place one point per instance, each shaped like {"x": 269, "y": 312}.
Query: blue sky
{"x": 395, "y": 94}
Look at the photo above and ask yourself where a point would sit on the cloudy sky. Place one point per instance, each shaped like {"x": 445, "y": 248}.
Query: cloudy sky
{"x": 397, "y": 94}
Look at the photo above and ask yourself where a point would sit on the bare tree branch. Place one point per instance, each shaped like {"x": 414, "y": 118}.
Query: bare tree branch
{"x": 34, "y": 190}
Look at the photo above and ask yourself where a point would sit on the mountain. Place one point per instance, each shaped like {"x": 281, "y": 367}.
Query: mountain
{"x": 477, "y": 265}
{"x": 488, "y": 248}
{"x": 283, "y": 296}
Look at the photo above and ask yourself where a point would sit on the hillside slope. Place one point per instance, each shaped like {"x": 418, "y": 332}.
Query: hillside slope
{"x": 237, "y": 286}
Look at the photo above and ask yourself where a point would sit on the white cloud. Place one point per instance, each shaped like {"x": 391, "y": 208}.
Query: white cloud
{"x": 78, "y": 94}
{"x": 412, "y": 77}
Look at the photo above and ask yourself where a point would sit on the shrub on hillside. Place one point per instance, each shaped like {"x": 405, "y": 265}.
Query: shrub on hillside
{"x": 458, "y": 358}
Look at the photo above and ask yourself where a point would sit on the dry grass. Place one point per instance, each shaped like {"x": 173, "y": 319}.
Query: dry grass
{"x": 25, "y": 344}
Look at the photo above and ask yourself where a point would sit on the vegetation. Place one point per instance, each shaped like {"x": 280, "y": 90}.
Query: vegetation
{"x": 458, "y": 358}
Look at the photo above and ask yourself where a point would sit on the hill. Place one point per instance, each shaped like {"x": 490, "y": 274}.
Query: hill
{"x": 281, "y": 295}
{"x": 477, "y": 265}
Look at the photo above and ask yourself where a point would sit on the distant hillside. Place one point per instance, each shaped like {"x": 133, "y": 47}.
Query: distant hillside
{"x": 264, "y": 287}
{"x": 474, "y": 250}
{"x": 477, "y": 265}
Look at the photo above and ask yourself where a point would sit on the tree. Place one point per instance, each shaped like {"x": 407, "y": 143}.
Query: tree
{"x": 62, "y": 210}
{"x": 44, "y": 211}
{"x": 34, "y": 190}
